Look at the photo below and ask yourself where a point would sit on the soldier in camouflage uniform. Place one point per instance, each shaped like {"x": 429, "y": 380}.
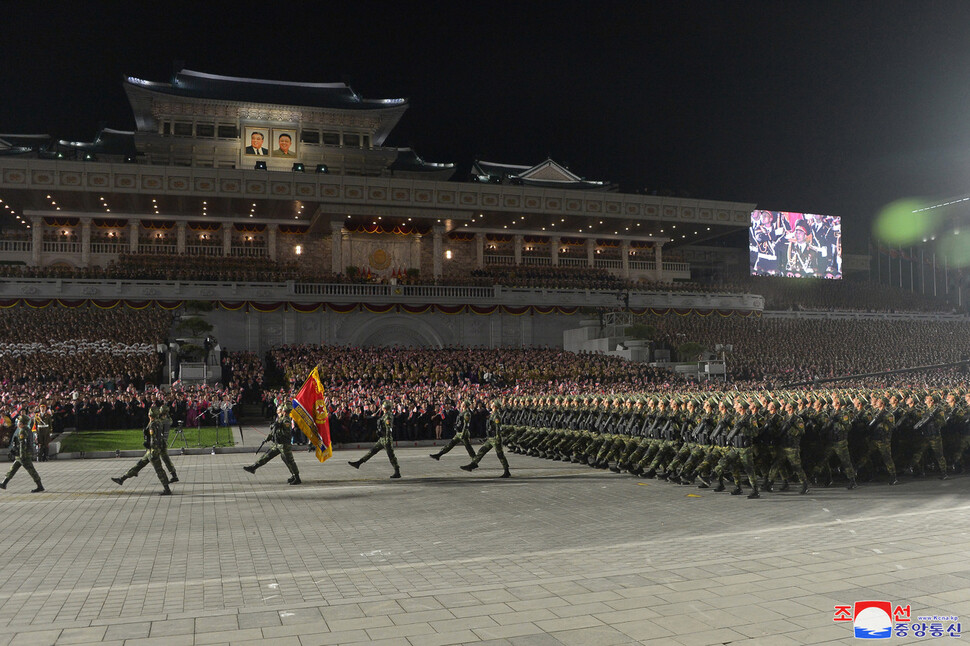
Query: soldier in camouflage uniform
{"x": 281, "y": 435}
{"x": 881, "y": 436}
{"x": 493, "y": 430}
{"x": 161, "y": 412}
{"x": 739, "y": 454}
{"x": 929, "y": 427}
{"x": 836, "y": 438}
{"x": 462, "y": 433}
{"x": 154, "y": 442}
{"x": 791, "y": 436}
{"x": 385, "y": 440}
{"x": 22, "y": 446}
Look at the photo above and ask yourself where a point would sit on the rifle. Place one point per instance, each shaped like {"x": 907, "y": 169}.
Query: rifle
{"x": 877, "y": 420}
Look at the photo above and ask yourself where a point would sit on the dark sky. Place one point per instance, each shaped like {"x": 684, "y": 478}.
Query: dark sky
{"x": 834, "y": 107}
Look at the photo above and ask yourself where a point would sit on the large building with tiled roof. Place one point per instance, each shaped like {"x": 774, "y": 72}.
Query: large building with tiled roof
{"x": 231, "y": 167}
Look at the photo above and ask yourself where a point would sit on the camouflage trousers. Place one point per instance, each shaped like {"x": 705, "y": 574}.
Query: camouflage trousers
{"x": 792, "y": 457}
{"x": 153, "y": 456}
{"x": 386, "y": 443}
{"x": 490, "y": 443}
{"x": 287, "y": 456}
{"x": 462, "y": 438}
{"x": 935, "y": 443}
{"x": 735, "y": 460}
{"x": 839, "y": 450}
{"x": 883, "y": 449}
{"x": 28, "y": 464}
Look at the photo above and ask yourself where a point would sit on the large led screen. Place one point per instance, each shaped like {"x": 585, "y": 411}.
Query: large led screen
{"x": 797, "y": 245}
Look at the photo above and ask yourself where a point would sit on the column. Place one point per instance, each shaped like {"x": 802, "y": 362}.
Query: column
{"x": 625, "y": 257}
{"x": 133, "y": 227}
{"x": 415, "y": 262}
{"x": 37, "y": 238}
{"x": 479, "y": 251}
{"x": 271, "y": 241}
{"x": 226, "y": 239}
{"x": 590, "y": 252}
{"x": 658, "y": 258}
{"x": 517, "y": 249}
{"x": 180, "y": 227}
{"x": 554, "y": 242}
{"x": 336, "y": 246}
{"x": 436, "y": 251}
{"x": 85, "y": 242}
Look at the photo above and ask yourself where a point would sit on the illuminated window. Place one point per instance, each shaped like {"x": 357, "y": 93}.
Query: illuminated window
{"x": 448, "y": 254}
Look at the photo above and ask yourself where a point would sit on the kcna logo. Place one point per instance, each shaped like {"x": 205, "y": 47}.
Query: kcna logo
{"x": 882, "y": 620}
{"x": 872, "y": 619}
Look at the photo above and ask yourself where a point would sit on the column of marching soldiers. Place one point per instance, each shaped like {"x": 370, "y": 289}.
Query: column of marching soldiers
{"x": 762, "y": 439}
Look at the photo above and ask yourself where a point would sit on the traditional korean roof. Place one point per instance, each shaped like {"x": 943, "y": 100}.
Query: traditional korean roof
{"x": 408, "y": 161}
{"x": 20, "y": 144}
{"x": 110, "y": 142}
{"x": 548, "y": 174}
{"x": 199, "y": 85}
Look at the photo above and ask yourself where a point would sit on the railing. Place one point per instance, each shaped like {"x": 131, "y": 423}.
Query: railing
{"x": 537, "y": 261}
{"x": 376, "y": 294}
{"x": 109, "y": 247}
{"x": 493, "y": 259}
{"x": 203, "y": 250}
{"x": 573, "y": 262}
{"x": 676, "y": 266}
{"x": 18, "y": 246}
{"x": 156, "y": 248}
{"x": 249, "y": 252}
{"x": 61, "y": 247}
{"x": 392, "y": 291}
{"x": 607, "y": 263}
{"x": 643, "y": 265}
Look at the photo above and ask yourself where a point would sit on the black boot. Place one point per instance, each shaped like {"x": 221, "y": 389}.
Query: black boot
{"x": 506, "y": 474}
{"x": 3, "y": 485}
{"x": 804, "y": 488}
{"x": 39, "y": 488}
{"x": 737, "y": 491}
{"x": 754, "y": 494}
{"x": 120, "y": 480}
{"x": 295, "y": 480}
{"x": 396, "y": 474}
{"x": 250, "y": 469}
{"x": 852, "y": 484}
{"x": 166, "y": 491}
{"x": 468, "y": 467}
{"x": 720, "y": 485}
{"x": 173, "y": 479}
{"x": 355, "y": 463}
{"x": 433, "y": 456}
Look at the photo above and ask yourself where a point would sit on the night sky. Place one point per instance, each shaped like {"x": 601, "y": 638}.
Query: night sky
{"x": 833, "y": 107}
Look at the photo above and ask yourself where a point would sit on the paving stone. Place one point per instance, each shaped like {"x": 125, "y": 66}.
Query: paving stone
{"x": 125, "y": 565}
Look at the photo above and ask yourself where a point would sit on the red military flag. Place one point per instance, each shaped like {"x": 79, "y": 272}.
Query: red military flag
{"x": 311, "y": 415}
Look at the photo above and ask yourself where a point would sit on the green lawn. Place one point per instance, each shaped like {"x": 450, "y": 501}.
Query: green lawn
{"x": 131, "y": 439}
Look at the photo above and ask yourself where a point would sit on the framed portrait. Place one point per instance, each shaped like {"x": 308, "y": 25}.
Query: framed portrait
{"x": 284, "y": 143}
{"x": 256, "y": 141}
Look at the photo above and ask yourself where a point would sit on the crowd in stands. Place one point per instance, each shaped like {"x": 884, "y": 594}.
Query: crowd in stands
{"x": 87, "y": 343}
{"x": 837, "y": 295}
{"x": 550, "y": 278}
{"x": 243, "y": 371}
{"x": 782, "y": 350}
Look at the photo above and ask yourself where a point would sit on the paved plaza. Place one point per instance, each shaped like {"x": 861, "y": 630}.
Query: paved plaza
{"x": 559, "y": 554}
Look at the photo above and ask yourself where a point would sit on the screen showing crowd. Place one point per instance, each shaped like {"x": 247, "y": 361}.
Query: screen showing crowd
{"x": 796, "y": 245}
